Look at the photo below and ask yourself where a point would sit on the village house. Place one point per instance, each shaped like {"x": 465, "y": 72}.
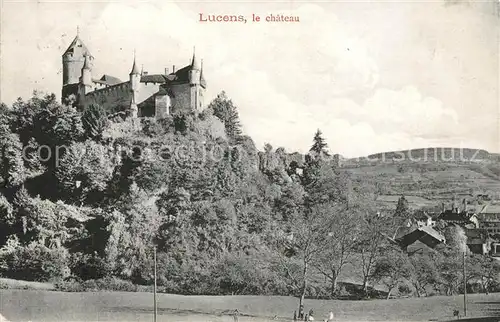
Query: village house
{"x": 478, "y": 241}
{"x": 489, "y": 219}
{"x": 420, "y": 236}
{"x": 422, "y": 219}
{"x": 462, "y": 218}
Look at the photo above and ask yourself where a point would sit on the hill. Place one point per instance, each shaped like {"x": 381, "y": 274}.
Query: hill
{"x": 223, "y": 217}
{"x": 427, "y": 177}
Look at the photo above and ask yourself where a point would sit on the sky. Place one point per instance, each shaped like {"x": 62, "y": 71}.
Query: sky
{"x": 373, "y": 76}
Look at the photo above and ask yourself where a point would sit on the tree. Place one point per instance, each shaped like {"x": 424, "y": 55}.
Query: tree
{"x": 402, "y": 210}
{"x": 83, "y": 173}
{"x": 133, "y": 227}
{"x": 94, "y": 121}
{"x": 225, "y": 110}
{"x": 391, "y": 269}
{"x": 450, "y": 266}
{"x": 324, "y": 183}
{"x": 456, "y": 239}
{"x": 12, "y": 170}
{"x": 370, "y": 244}
{"x": 485, "y": 269}
{"x": 302, "y": 245}
{"x": 319, "y": 147}
{"x": 339, "y": 247}
{"x": 424, "y": 272}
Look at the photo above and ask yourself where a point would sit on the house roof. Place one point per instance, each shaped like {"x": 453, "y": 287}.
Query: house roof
{"x": 449, "y": 215}
{"x": 433, "y": 233}
{"x": 491, "y": 209}
{"x": 426, "y": 235}
{"x": 488, "y": 217}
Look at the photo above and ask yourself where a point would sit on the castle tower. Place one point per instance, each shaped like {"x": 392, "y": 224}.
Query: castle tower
{"x": 196, "y": 90}
{"x": 135, "y": 80}
{"x": 86, "y": 75}
{"x": 194, "y": 72}
{"x": 73, "y": 60}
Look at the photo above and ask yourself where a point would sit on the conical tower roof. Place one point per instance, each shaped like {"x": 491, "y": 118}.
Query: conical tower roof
{"x": 202, "y": 78}
{"x": 77, "y": 45}
{"x": 194, "y": 62}
{"x": 135, "y": 69}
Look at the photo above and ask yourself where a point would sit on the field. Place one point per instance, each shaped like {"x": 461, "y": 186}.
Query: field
{"x": 40, "y": 305}
{"x": 427, "y": 184}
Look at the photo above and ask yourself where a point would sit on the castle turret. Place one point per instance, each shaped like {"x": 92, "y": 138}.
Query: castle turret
{"x": 135, "y": 80}
{"x": 86, "y": 75}
{"x": 73, "y": 60}
{"x": 194, "y": 72}
{"x": 85, "y": 82}
{"x": 203, "y": 83}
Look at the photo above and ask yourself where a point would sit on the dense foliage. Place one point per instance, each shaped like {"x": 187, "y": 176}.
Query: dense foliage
{"x": 84, "y": 198}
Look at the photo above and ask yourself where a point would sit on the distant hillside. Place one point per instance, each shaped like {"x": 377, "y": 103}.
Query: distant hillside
{"x": 434, "y": 154}
{"x": 427, "y": 177}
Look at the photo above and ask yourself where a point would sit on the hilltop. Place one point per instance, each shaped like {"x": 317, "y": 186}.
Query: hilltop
{"x": 224, "y": 217}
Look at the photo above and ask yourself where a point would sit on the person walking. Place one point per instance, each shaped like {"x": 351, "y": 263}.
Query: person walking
{"x": 311, "y": 315}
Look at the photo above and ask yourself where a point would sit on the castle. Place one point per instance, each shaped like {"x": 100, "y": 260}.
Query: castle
{"x": 143, "y": 95}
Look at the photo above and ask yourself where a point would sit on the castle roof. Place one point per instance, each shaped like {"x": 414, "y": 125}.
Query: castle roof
{"x": 135, "y": 69}
{"x": 107, "y": 80}
{"x": 181, "y": 76}
{"x": 154, "y": 78}
{"x": 194, "y": 62}
{"x": 203, "y": 82}
{"x": 77, "y": 43}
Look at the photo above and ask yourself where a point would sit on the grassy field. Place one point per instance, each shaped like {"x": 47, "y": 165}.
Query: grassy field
{"x": 39, "y": 305}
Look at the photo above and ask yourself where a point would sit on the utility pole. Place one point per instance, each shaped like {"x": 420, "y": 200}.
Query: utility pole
{"x": 154, "y": 285}
{"x": 465, "y": 289}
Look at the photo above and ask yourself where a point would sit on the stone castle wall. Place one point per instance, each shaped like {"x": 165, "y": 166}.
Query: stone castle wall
{"x": 112, "y": 99}
{"x": 181, "y": 100}
{"x": 118, "y": 97}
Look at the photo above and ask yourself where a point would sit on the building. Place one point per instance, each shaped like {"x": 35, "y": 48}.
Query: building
{"x": 478, "y": 241}
{"x": 425, "y": 235}
{"x": 141, "y": 95}
{"x": 422, "y": 219}
{"x": 489, "y": 220}
{"x": 461, "y": 218}
{"x": 495, "y": 250}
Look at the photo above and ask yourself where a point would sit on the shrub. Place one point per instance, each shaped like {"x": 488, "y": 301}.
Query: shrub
{"x": 69, "y": 286}
{"x": 87, "y": 267}
{"x": 103, "y": 284}
{"x": 35, "y": 262}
